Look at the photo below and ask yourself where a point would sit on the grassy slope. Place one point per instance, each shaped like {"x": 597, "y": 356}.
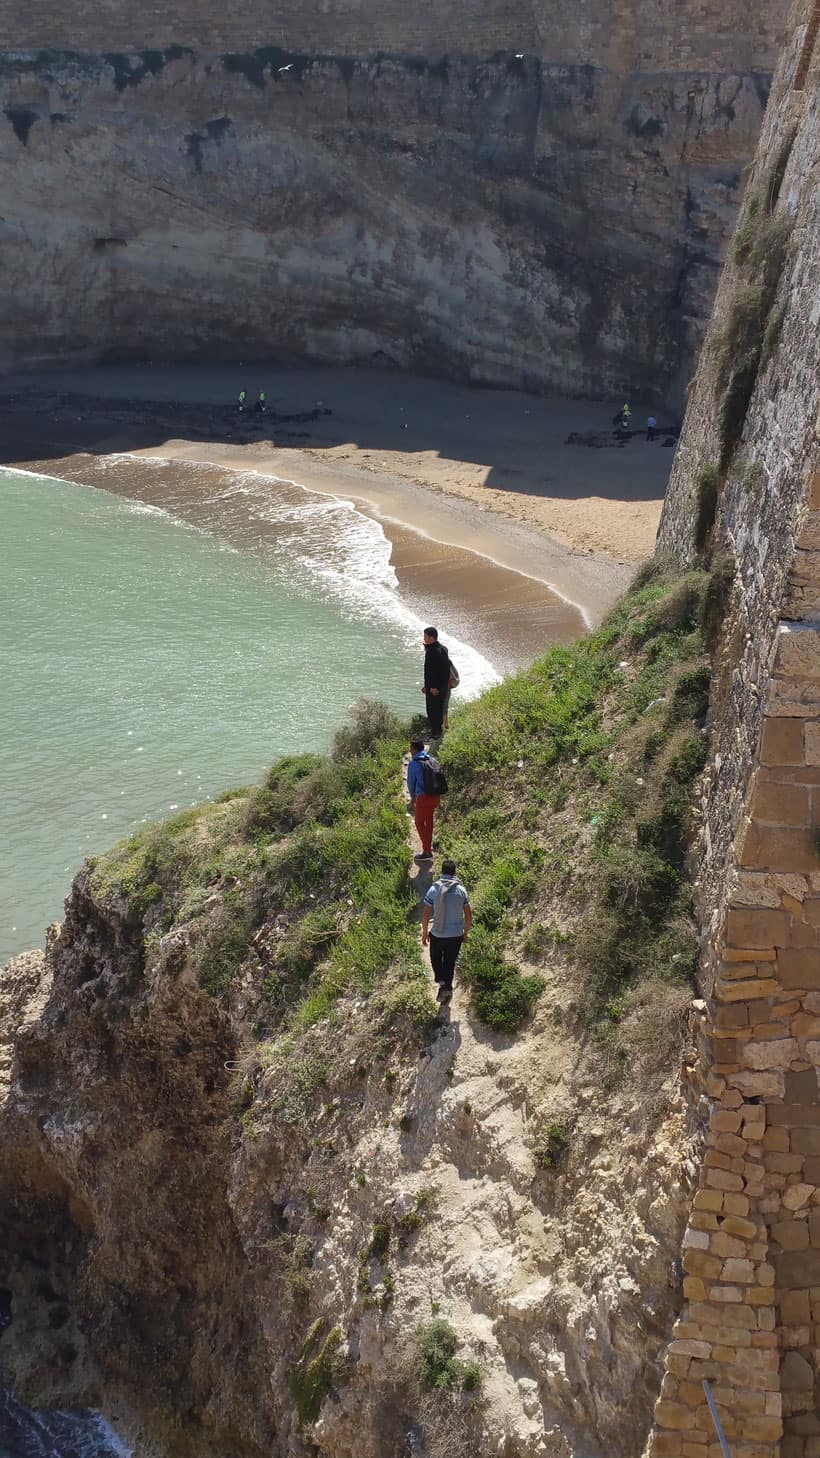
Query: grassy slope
{"x": 568, "y": 813}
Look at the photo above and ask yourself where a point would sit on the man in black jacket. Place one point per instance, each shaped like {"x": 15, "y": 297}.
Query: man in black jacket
{"x": 436, "y": 680}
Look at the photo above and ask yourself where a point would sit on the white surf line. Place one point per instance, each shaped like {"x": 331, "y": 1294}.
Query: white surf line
{"x": 378, "y": 515}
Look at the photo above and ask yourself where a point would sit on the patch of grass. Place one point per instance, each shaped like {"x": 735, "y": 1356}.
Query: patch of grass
{"x": 412, "y": 1219}
{"x": 552, "y": 1146}
{"x": 379, "y": 1246}
{"x": 317, "y": 1369}
{"x": 717, "y": 599}
{"x": 439, "y": 1370}
{"x": 502, "y": 996}
{"x": 707, "y": 486}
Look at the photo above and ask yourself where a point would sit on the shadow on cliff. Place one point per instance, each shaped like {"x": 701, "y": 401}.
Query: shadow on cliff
{"x": 369, "y": 419}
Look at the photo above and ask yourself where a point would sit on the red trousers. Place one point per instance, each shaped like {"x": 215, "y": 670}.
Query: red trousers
{"x": 425, "y": 809}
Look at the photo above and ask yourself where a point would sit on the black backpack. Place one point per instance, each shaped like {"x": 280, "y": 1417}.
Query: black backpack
{"x": 433, "y": 778}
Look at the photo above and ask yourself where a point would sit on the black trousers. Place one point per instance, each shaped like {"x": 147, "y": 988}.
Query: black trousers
{"x": 435, "y": 712}
{"x": 443, "y": 957}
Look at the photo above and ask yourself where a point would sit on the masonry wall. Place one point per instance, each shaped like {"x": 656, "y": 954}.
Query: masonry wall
{"x": 522, "y": 195}
{"x": 751, "y": 1319}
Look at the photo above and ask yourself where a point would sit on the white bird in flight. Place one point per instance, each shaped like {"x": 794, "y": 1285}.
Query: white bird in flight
{"x": 288, "y": 67}
{"x": 519, "y": 55}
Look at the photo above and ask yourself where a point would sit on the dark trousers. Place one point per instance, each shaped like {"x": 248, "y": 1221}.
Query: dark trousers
{"x": 436, "y": 704}
{"x": 443, "y": 957}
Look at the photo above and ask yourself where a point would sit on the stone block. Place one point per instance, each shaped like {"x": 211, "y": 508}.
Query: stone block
{"x": 736, "y": 1015}
{"x": 796, "y": 1269}
{"x": 796, "y": 1117}
{"x": 725, "y": 1121}
{"x": 735, "y": 1204}
{"x": 729, "y": 1295}
{"x": 801, "y": 934}
{"x": 707, "y": 1200}
{"x": 736, "y": 1269}
{"x": 690, "y": 1347}
{"x": 693, "y": 1288}
{"x": 673, "y": 1415}
{"x": 805, "y": 1025}
{"x": 801, "y": 1088}
{"x": 776, "y": 1053}
{"x": 784, "y": 1163}
{"x": 745, "y": 990}
{"x": 811, "y": 1171}
{"x": 796, "y": 1375}
{"x": 727, "y": 1335}
{"x": 794, "y": 1307}
{"x": 798, "y": 967}
{"x": 760, "y": 1428}
{"x": 723, "y": 1179}
{"x": 709, "y": 1314}
{"x": 700, "y": 1263}
{"x": 728, "y": 1143}
{"x": 798, "y": 651}
{"x": 726, "y": 1245}
{"x": 666, "y": 1445}
{"x": 814, "y": 1228}
{"x": 776, "y": 1138}
{"x": 766, "y": 1085}
{"x": 737, "y": 1226}
{"x": 751, "y": 926}
{"x": 791, "y": 1234}
{"x": 702, "y": 1220}
{"x": 782, "y": 741}
{"x": 811, "y": 911}
{"x": 774, "y": 849}
{"x": 796, "y": 1197}
{"x": 774, "y": 804}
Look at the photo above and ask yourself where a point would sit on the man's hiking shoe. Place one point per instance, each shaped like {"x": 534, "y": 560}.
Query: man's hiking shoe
{"x": 444, "y": 996}
{"x": 423, "y": 856}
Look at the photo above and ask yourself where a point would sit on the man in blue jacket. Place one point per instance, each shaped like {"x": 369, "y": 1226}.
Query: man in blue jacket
{"x": 448, "y": 906}
{"x": 423, "y": 806}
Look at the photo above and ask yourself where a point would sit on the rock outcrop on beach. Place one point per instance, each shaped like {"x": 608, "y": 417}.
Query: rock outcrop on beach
{"x": 512, "y": 195}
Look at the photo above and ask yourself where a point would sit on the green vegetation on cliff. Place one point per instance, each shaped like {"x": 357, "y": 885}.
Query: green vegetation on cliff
{"x": 568, "y": 814}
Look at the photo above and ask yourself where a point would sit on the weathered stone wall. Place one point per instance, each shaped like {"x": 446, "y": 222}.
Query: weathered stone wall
{"x": 763, "y": 499}
{"x": 506, "y": 194}
{"x": 751, "y": 1320}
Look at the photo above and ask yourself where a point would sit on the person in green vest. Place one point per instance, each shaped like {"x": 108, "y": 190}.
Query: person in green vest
{"x": 261, "y": 403}
{"x": 240, "y": 402}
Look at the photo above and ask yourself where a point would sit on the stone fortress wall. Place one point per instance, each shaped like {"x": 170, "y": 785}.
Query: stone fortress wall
{"x": 750, "y": 1322}
{"x": 531, "y": 194}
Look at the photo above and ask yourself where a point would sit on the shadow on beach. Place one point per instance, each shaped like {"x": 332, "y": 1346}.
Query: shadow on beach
{"x": 515, "y": 442}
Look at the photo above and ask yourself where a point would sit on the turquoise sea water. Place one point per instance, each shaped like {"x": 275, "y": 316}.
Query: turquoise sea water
{"x": 148, "y": 663}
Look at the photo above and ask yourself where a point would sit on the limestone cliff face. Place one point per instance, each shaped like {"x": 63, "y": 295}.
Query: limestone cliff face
{"x": 492, "y": 193}
{"x": 166, "y": 1255}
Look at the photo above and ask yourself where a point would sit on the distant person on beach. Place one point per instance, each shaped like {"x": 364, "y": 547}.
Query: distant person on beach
{"x": 261, "y": 403}
{"x": 626, "y": 415}
{"x": 437, "y": 670}
{"x": 651, "y": 426}
{"x": 240, "y": 402}
{"x": 424, "y": 802}
{"x": 447, "y": 905}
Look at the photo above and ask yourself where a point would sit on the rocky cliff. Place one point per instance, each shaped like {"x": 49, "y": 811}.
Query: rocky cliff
{"x": 495, "y": 193}
{"x": 257, "y": 1199}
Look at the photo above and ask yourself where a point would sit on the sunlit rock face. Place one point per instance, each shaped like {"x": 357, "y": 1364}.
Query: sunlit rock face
{"x": 493, "y": 194}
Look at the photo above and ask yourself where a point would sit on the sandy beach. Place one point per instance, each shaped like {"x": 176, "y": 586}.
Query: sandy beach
{"x": 485, "y": 474}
